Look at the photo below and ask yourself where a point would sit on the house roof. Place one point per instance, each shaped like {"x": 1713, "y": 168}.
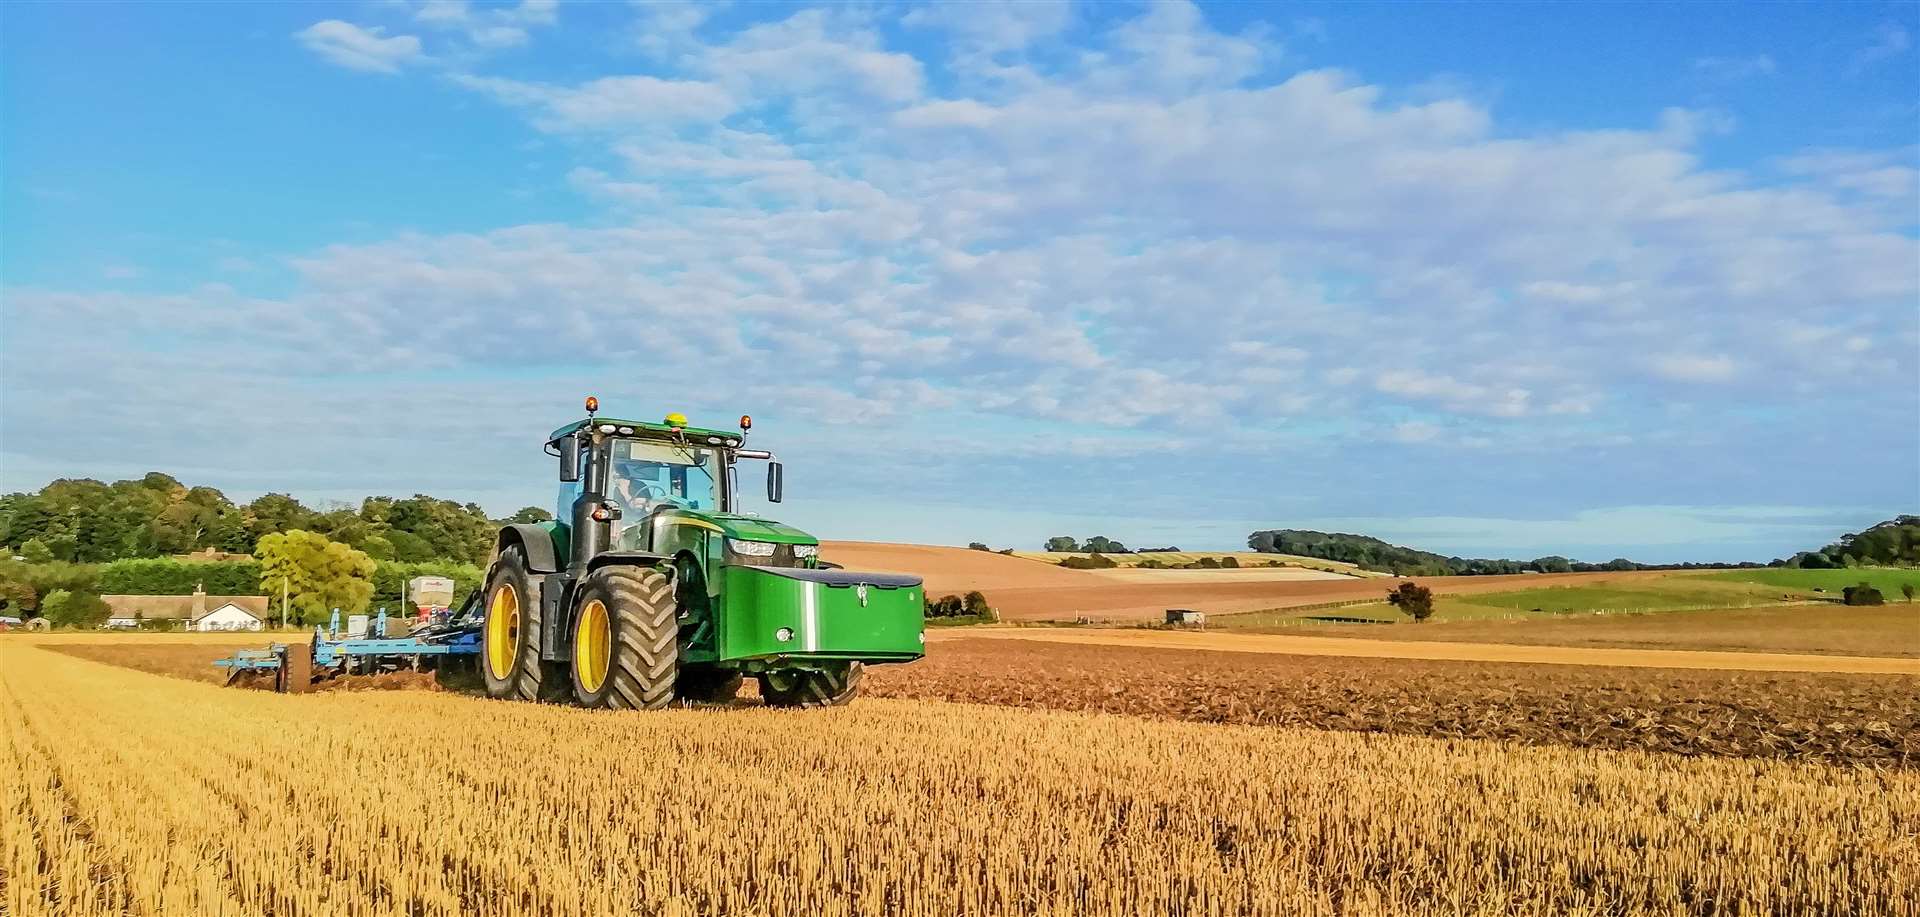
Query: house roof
{"x": 179, "y": 607}
{"x": 237, "y": 606}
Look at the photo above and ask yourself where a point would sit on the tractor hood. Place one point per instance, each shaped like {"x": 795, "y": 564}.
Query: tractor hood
{"x": 754, "y": 528}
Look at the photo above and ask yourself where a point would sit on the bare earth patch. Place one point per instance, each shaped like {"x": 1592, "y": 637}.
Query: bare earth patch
{"x": 1820, "y": 629}
{"x": 1830, "y": 717}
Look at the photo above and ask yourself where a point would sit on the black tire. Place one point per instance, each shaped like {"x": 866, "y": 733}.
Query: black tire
{"x": 708, "y": 685}
{"x": 518, "y": 673}
{"x": 458, "y": 673}
{"x": 642, "y": 640}
{"x": 803, "y": 688}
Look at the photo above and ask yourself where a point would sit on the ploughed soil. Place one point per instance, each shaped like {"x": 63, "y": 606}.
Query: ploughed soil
{"x": 1828, "y": 628}
{"x": 1864, "y": 719}
{"x": 1869, "y": 719}
{"x": 1030, "y": 590}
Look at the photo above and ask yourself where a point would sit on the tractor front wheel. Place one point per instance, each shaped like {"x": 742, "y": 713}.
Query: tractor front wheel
{"x": 510, "y": 637}
{"x": 807, "y": 688}
{"x": 626, "y": 639}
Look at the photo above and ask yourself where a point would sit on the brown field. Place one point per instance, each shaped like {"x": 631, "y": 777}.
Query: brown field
{"x": 1823, "y": 628}
{"x": 1315, "y": 645}
{"x": 1031, "y": 590}
{"x": 1835, "y": 717}
{"x": 1826, "y": 716}
{"x": 125, "y": 793}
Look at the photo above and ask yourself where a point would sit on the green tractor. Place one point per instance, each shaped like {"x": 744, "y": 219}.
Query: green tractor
{"x": 651, "y": 588}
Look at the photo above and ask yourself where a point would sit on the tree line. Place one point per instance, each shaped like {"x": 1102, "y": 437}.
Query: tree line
{"x": 1895, "y": 542}
{"x": 1369, "y": 553}
{"x": 81, "y": 520}
{"x": 1098, "y": 544}
{"x": 75, "y": 540}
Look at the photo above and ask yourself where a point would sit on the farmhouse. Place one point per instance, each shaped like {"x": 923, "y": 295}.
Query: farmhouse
{"x": 198, "y": 611}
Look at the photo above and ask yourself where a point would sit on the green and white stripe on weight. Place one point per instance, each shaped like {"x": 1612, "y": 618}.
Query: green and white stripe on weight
{"x": 810, "y": 617}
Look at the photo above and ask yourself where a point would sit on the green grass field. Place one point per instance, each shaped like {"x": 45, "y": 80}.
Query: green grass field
{"x": 1886, "y": 579}
{"x": 1667, "y": 593}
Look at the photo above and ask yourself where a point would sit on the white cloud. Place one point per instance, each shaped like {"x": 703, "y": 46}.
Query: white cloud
{"x": 1173, "y": 231}
{"x": 1455, "y": 394}
{"x": 355, "y": 48}
{"x": 443, "y": 12}
{"x": 610, "y": 102}
{"x": 992, "y": 27}
{"x": 1890, "y": 40}
{"x": 1171, "y": 48}
{"x": 1416, "y": 431}
{"x": 1734, "y": 69}
{"x": 492, "y": 28}
{"x": 812, "y": 52}
{"x": 1694, "y": 367}
{"x": 947, "y": 113}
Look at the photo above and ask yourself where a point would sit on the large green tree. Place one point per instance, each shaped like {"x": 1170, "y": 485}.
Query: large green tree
{"x": 35, "y": 551}
{"x": 62, "y": 608}
{"x": 319, "y": 574}
{"x": 18, "y": 598}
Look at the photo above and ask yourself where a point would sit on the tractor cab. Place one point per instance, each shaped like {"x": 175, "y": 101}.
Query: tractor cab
{"x": 647, "y": 476}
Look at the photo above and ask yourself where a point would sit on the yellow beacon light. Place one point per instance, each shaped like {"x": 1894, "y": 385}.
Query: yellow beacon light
{"x": 746, "y": 423}
{"x": 593, "y": 404}
{"x": 676, "y": 419}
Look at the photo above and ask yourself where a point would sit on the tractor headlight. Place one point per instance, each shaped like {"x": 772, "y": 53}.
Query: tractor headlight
{"x": 750, "y": 548}
{"x": 804, "y": 551}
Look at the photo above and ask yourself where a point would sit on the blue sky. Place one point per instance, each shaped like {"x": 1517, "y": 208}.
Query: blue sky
{"x": 1492, "y": 279}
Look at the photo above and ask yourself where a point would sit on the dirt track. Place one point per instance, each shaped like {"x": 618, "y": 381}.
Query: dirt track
{"x": 1030, "y": 590}
{"x": 1465, "y": 652}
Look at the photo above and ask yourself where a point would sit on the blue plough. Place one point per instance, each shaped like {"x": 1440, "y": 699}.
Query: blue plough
{"x": 295, "y": 666}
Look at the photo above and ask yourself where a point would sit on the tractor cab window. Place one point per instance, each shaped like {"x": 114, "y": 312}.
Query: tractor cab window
{"x": 646, "y": 476}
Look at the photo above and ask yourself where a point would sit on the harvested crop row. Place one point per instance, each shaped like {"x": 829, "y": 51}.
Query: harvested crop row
{"x": 207, "y": 801}
{"x": 1839, "y": 718}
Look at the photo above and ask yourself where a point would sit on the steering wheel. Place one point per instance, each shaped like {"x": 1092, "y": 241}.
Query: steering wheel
{"x": 642, "y": 494}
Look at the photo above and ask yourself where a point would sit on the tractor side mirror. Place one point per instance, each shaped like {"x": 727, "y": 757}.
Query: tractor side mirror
{"x": 776, "y": 479}
{"x": 570, "y": 458}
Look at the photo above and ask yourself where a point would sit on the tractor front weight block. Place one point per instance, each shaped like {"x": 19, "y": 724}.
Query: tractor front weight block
{"x": 791, "y": 616}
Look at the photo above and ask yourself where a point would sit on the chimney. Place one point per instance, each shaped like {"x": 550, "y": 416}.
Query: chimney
{"x": 199, "y": 601}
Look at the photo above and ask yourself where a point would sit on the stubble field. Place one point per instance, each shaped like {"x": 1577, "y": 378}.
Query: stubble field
{"x": 126, "y": 792}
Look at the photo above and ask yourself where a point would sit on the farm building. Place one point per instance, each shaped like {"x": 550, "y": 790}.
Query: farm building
{"x": 198, "y": 611}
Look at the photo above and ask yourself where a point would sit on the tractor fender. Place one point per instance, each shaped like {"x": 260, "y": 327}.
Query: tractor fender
{"x": 535, "y": 541}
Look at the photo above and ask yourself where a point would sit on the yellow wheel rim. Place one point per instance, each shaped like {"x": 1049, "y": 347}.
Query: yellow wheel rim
{"x": 503, "y": 631}
{"x": 593, "y": 645}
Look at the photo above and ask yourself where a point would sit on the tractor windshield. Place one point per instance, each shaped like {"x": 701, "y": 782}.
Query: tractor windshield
{"x": 646, "y": 476}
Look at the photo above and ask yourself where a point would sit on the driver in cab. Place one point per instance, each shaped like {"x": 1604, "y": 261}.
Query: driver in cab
{"x": 643, "y": 486}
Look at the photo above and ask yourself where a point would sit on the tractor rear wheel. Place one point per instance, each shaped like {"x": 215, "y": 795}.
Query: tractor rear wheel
{"x": 708, "y": 685}
{"x": 626, "y": 640}
{"x": 806, "y": 688}
{"x": 510, "y": 637}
